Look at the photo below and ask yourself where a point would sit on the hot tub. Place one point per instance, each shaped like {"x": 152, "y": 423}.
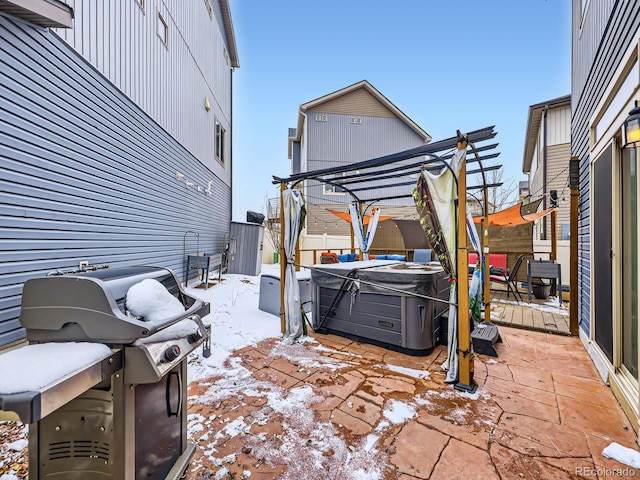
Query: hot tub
{"x": 379, "y": 304}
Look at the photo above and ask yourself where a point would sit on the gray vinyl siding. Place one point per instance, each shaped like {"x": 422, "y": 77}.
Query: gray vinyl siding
{"x": 558, "y": 157}
{"x": 558, "y": 152}
{"x": 599, "y": 43}
{"x": 536, "y": 182}
{"x": 337, "y": 141}
{"x": 169, "y": 83}
{"x": 87, "y": 175}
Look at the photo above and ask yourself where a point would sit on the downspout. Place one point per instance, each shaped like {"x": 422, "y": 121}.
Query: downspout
{"x": 544, "y": 171}
{"x": 303, "y": 189}
{"x": 231, "y": 146}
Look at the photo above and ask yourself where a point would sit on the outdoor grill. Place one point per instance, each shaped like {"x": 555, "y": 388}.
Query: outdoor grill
{"x": 124, "y": 415}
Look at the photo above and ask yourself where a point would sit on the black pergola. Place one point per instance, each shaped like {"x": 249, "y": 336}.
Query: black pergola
{"x": 363, "y": 181}
{"x": 434, "y": 158}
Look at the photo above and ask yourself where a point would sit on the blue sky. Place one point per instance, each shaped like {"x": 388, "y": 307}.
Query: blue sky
{"x": 448, "y": 65}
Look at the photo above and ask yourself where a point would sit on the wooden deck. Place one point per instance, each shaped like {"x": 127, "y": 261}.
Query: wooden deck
{"x": 541, "y": 315}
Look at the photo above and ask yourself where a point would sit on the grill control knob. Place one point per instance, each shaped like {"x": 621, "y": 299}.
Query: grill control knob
{"x": 195, "y": 337}
{"x": 171, "y": 353}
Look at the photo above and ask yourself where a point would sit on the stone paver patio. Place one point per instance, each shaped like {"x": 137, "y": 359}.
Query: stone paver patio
{"x": 540, "y": 412}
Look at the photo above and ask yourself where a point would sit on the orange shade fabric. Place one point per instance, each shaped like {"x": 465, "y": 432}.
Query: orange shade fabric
{"x": 365, "y": 220}
{"x": 512, "y": 216}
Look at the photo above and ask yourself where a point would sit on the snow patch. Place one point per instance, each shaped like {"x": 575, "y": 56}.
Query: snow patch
{"x": 622, "y": 454}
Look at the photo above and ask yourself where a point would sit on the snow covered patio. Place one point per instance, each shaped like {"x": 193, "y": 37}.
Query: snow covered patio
{"x": 330, "y": 408}
{"x": 333, "y": 408}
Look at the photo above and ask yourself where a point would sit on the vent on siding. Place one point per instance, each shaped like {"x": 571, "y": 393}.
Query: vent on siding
{"x": 293, "y": 132}
{"x": 356, "y": 120}
{"x": 321, "y": 117}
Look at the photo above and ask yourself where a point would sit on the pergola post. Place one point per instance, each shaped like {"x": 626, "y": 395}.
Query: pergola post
{"x": 486, "y": 270}
{"x": 465, "y": 359}
{"x": 574, "y": 183}
{"x": 283, "y": 260}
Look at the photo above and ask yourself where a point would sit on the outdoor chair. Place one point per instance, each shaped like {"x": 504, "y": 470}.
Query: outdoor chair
{"x": 422, "y": 255}
{"x": 329, "y": 257}
{"x": 510, "y": 279}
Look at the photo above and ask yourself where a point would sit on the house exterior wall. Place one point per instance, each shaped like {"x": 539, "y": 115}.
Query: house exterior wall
{"x": 338, "y": 141}
{"x": 558, "y": 152}
{"x": 559, "y": 126}
{"x": 605, "y": 83}
{"x": 600, "y": 39}
{"x": 320, "y": 221}
{"x": 359, "y": 102}
{"x": 170, "y": 83}
{"x": 536, "y": 178}
{"x": 87, "y": 174}
{"x": 558, "y": 179}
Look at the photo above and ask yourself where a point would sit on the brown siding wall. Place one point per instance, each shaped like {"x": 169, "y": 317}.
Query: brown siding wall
{"x": 358, "y": 102}
{"x": 319, "y": 217}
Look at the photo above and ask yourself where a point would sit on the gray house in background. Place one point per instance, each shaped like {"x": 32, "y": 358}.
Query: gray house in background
{"x": 546, "y": 161}
{"x": 605, "y": 84}
{"x": 349, "y": 125}
{"x": 115, "y": 136}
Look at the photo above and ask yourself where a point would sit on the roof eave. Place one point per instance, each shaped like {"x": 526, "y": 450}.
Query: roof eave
{"x": 533, "y": 127}
{"x": 229, "y": 34}
{"x": 384, "y": 100}
{"x": 44, "y": 13}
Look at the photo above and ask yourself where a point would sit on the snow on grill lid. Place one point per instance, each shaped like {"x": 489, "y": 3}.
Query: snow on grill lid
{"x": 150, "y": 300}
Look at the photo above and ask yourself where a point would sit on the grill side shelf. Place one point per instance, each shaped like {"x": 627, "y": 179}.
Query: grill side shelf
{"x": 32, "y": 406}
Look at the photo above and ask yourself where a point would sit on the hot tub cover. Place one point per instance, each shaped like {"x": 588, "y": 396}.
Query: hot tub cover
{"x": 384, "y": 277}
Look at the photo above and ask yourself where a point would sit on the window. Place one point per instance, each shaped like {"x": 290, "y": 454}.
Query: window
{"x": 321, "y": 117}
{"x": 163, "y": 30}
{"x": 219, "y": 142}
{"x": 356, "y": 120}
{"x": 333, "y": 189}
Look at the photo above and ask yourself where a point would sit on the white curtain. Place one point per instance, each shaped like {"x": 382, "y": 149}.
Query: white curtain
{"x": 293, "y": 209}
{"x": 371, "y": 231}
{"x": 364, "y": 241}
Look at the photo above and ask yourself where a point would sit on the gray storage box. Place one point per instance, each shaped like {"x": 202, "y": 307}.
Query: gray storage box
{"x": 270, "y": 293}
{"x": 395, "y": 318}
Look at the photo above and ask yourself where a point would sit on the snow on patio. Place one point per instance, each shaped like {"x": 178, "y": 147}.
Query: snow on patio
{"x": 331, "y": 408}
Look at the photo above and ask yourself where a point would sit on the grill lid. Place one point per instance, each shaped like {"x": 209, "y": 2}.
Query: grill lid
{"x": 91, "y": 307}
